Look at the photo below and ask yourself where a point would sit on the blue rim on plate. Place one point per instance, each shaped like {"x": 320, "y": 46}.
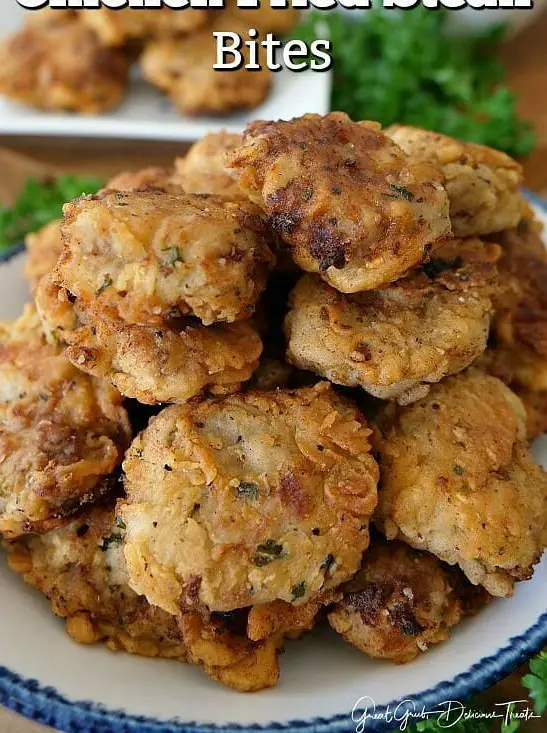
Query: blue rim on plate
{"x": 45, "y": 705}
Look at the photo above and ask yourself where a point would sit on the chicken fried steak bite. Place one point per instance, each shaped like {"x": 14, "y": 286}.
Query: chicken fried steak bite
{"x": 204, "y": 169}
{"x": 43, "y": 249}
{"x": 458, "y": 480}
{"x": 62, "y": 66}
{"x": 153, "y": 256}
{"x": 395, "y": 341}
{"x": 482, "y": 183}
{"x": 169, "y": 363}
{"x": 183, "y": 69}
{"x": 402, "y": 601}
{"x": 80, "y": 569}
{"x": 220, "y": 646}
{"x": 344, "y": 197}
{"x": 520, "y": 324}
{"x": 115, "y": 27}
{"x": 517, "y": 350}
{"x": 144, "y": 178}
{"x": 248, "y": 499}
{"x": 62, "y": 433}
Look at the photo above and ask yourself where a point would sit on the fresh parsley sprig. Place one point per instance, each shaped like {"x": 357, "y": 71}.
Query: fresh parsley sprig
{"x": 404, "y": 68}
{"x": 535, "y": 681}
{"x": 39, "y": 202}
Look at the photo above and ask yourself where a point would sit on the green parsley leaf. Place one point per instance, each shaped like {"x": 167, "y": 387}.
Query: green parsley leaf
{"x": 248, "y": 490}
{"x": 267, "y": 553}
{"x": 536, "y": 682}
{"x": 38, "y": 203}
{"x": 298, "y": 590}
{"x": 404, "y": 68}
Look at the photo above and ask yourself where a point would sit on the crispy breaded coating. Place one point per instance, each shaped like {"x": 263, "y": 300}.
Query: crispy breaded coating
{"x": 395, "y": 341}
{"x": 265, "y": 18}
{"x": 62, "y": 433}
{"x": 458, "y": 480}
{"x": 115, "y": 27}
{"x": 520, "y": 323}
{"x": 43, "y": 248}
{"x": 228, "y": 656}
{"x": 248, "y": 499}
{"x": 144, "y": 178}
{"x": 168, "y": 363}
{"x": 482, "y": 184}
{"x": 154, "y": 256}
{"x": 344, "y": 197}
{"x": 204, "y": 168}
{"x": 81, "y": 571}
{"x": 183, "y": 69}
{"x": 517, "y": 350}
{"x": 62, "y": 66}
{"x": 280, "y": 618}
{"x": 402, "y": 601}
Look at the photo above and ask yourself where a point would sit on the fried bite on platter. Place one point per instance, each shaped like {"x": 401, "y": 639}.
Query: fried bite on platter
{"x": 204, "y": 168}
{"x": 154, "y": 256}
{"x": 280, "y": 618}
{"x": 248, "y": 499}
{"x": 402, "y": 601}
{"x": 520, "y": 324}
{"x": 117, "y": 27}
{"x": 345, "y": 198}
{"x": 227, "y": 655}
{"x": 43, "y": 249}
{"x": 458, "y": 481}
{"x": 50, "y": 16}
{"x": 62, "y": 433}
{"x": 183, "y": 69}
{"x": 395, "y": 341}
{"x": 517, "y": 351}
{"x": 62, "y": 66}
{"x": 482, "y": 184}
{"x": 167, "y": 363}
{"x": 80, "y": 569}
{"x": 144, "y": 178}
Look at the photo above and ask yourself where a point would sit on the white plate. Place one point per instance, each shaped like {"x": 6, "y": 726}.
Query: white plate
{"x": 147, "y": 114}
{"x": 91, "y": 690}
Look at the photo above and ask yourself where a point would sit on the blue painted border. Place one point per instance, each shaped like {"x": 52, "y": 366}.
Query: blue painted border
{"x": 45, "y": 705}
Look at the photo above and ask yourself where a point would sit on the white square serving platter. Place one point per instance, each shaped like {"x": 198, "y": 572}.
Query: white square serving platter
{"x": 146, "y": 114}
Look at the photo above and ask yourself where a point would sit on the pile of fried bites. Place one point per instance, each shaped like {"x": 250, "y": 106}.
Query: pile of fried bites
{"x": 80, "y": 61}
{"x": 234, "y": 368}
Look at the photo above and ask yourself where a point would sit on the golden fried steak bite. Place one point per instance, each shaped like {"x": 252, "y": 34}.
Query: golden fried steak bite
{"x": 344, "y": 197}
{"x": 183, "y": 69}
{"x": 143, "y": 178}
{"x": 395, "y": 341}
{"x": 43, "y": 250}
{"x": 80, "y": 568}
{"x": 117, "y": 27}
{"x": 401, "y": 602}
{"x": 482, "y": 184}
{"x": 154, "y": 256}
{"x": 62, "y": 66}
{"x": 520, "y": 324}
{"x": 62, "y": 433}
{"x": 228, "y": 656}
{"x": 204, "y": 168}
{"x": 248, "y": 499}
{"x": 458, "y": 481}
{"x": 168, "y": 363}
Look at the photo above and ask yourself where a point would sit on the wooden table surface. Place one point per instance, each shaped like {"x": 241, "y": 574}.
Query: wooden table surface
{"x": 526, "y": 59}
